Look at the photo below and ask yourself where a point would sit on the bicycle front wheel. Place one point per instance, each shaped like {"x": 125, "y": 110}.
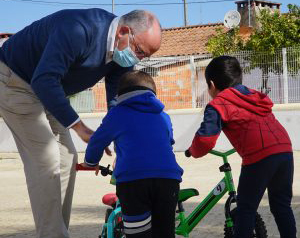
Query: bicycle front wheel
{"x": 259, "y": 231}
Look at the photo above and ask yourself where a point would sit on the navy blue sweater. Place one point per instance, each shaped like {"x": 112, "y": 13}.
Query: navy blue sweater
{"x": 62, "y": 54}
{"x": 143, "y": 136}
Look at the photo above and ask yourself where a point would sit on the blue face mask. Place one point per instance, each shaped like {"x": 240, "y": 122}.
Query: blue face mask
{"x": 126, "y": 57}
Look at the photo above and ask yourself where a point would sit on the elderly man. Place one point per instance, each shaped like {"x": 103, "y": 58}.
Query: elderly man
{"x": 56, "y": 56}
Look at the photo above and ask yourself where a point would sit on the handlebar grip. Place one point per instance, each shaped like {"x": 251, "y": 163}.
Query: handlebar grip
{"x": 80, "y": 167}
{"x": 104, "y": 170}
{"x": 187, "y": 153}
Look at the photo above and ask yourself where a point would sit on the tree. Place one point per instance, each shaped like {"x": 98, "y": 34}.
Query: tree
{"x": 275, "y": 31}
{"x": 294, "y": 9}
{"x": 225, "y": 42}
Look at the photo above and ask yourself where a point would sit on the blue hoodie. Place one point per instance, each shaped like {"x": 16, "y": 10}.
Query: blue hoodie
{"x": 143, "y": 136}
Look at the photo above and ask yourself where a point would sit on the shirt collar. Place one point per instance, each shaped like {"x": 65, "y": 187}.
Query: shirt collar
{"x": 111, "y": 39}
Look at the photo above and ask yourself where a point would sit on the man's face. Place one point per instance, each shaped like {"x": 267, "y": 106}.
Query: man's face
{"x": 143, "y": 44}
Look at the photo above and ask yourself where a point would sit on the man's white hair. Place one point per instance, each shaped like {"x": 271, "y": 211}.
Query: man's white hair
{"x": 138, "y": 20}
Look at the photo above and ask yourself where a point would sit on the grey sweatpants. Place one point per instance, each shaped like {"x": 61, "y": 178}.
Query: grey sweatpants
{"x": 47, "y": 152}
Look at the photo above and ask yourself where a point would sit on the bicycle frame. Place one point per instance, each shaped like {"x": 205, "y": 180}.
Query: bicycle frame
{"x": 187, "y": 224}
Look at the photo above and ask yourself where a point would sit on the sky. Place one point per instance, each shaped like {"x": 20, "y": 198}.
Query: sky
{"x": 16, "y": 14}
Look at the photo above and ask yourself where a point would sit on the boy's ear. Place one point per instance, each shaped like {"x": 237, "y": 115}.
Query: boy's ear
{"x": 212, "y": 85}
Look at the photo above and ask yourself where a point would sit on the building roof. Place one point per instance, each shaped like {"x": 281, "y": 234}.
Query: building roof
{"x": 189, "y": 40}
{"x": 160, "y": 62}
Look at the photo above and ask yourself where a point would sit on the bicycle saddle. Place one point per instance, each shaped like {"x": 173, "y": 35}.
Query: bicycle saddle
{"x": 110, "y": 199}
{"x": 185, "y": 194}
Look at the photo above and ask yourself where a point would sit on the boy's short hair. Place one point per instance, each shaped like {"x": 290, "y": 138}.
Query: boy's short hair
{"x": 224, "y": 72}
{"x": 136, "y": 80}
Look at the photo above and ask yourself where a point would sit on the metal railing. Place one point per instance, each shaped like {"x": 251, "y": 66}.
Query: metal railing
{"x": 181, "y": 83}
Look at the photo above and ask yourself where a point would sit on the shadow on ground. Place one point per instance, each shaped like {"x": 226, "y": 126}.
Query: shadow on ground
{"x": 87, "y": 221}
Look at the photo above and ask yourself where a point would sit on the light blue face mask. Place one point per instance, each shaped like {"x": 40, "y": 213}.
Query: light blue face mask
{"x": 126, "y": 57}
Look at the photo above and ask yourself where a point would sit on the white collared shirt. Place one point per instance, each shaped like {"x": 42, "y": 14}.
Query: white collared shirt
{"x": 2, "y": 40}
{"x": 111, "y": 39}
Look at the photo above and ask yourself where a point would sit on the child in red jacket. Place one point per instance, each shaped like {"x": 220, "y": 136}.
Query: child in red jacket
{"x": 246, "y": 118}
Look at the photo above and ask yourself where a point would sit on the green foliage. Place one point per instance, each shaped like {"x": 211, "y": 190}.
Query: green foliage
{"x": 294, "y": 9}
{"x": 224, "y": 42}
{"x": 275, "y": 31}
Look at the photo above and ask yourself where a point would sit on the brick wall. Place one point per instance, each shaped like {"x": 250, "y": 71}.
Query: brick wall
{"x": 173, "y": 84}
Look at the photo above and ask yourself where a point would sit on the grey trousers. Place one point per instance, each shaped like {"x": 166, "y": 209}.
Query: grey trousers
{"x": 47, "y": 152}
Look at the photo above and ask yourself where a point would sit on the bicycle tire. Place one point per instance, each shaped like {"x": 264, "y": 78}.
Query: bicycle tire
{"x": 118, "y": 230}
{"x": 119, "y": 227}
{"x": 107, "y": 214}
{"x": 259, "y": 231}
{"x": 104, "y": 229}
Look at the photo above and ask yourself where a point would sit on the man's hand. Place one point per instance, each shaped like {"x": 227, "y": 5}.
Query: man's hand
{"x": 83, "y": 131}
{"x": 94, "y": 167}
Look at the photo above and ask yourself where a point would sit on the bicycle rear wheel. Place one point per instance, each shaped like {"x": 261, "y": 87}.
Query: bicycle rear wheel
{"x": 259, "y": 231}
{"x": 117, "y": 224}
{"x": 119, "y": 227}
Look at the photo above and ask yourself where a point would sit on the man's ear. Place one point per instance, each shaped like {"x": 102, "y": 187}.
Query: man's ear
{"x": 123, "y": 30}
{"x": 120, "y": 41}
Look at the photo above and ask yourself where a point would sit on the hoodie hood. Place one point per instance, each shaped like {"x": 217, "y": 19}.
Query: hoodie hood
{"x": 141, "y": 100}
{"x": 248, "y": 99}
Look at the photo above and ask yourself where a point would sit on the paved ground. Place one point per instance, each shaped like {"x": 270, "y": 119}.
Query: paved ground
{"x": 16, "y": 220}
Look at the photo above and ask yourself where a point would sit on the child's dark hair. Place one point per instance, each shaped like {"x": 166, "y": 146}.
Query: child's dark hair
{"x": 136, "y": 80}
{"x": 224, "y": 72}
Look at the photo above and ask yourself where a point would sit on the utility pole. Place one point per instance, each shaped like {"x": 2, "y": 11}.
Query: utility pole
{"x": 112, "y": 6}
{"x": 249, "y": 13}
{"x": 185, "y": 12}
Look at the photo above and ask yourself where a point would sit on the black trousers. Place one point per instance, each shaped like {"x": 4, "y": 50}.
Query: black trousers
{"x": 148, "y": 207}
{"x": 274, "y": 173}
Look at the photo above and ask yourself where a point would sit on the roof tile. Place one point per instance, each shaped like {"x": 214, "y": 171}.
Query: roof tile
{"x": 186, "y": 40}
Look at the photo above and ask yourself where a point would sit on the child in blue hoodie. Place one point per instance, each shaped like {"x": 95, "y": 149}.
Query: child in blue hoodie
{"x": 146, "y": 171}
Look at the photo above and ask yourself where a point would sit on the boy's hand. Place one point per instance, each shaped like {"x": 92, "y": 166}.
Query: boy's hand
{"x": 96, "y": 168}
{"x": 114, "y": 163}
{"x": 108, "y": 151}
{"x": 187, "y": 153}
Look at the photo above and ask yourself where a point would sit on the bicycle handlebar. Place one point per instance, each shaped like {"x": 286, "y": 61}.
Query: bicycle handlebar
{"x": 104, "y": 170}
{"x": 188, "y": 154}
{"x": 221, "y": 154}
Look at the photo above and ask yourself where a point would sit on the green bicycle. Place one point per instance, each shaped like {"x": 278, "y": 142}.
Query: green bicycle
{"x": 113, "y": 226}
{"x": 187, "y": 223}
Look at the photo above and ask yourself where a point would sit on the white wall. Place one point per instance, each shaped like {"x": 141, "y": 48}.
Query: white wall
{"x": 185, "y": 124}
